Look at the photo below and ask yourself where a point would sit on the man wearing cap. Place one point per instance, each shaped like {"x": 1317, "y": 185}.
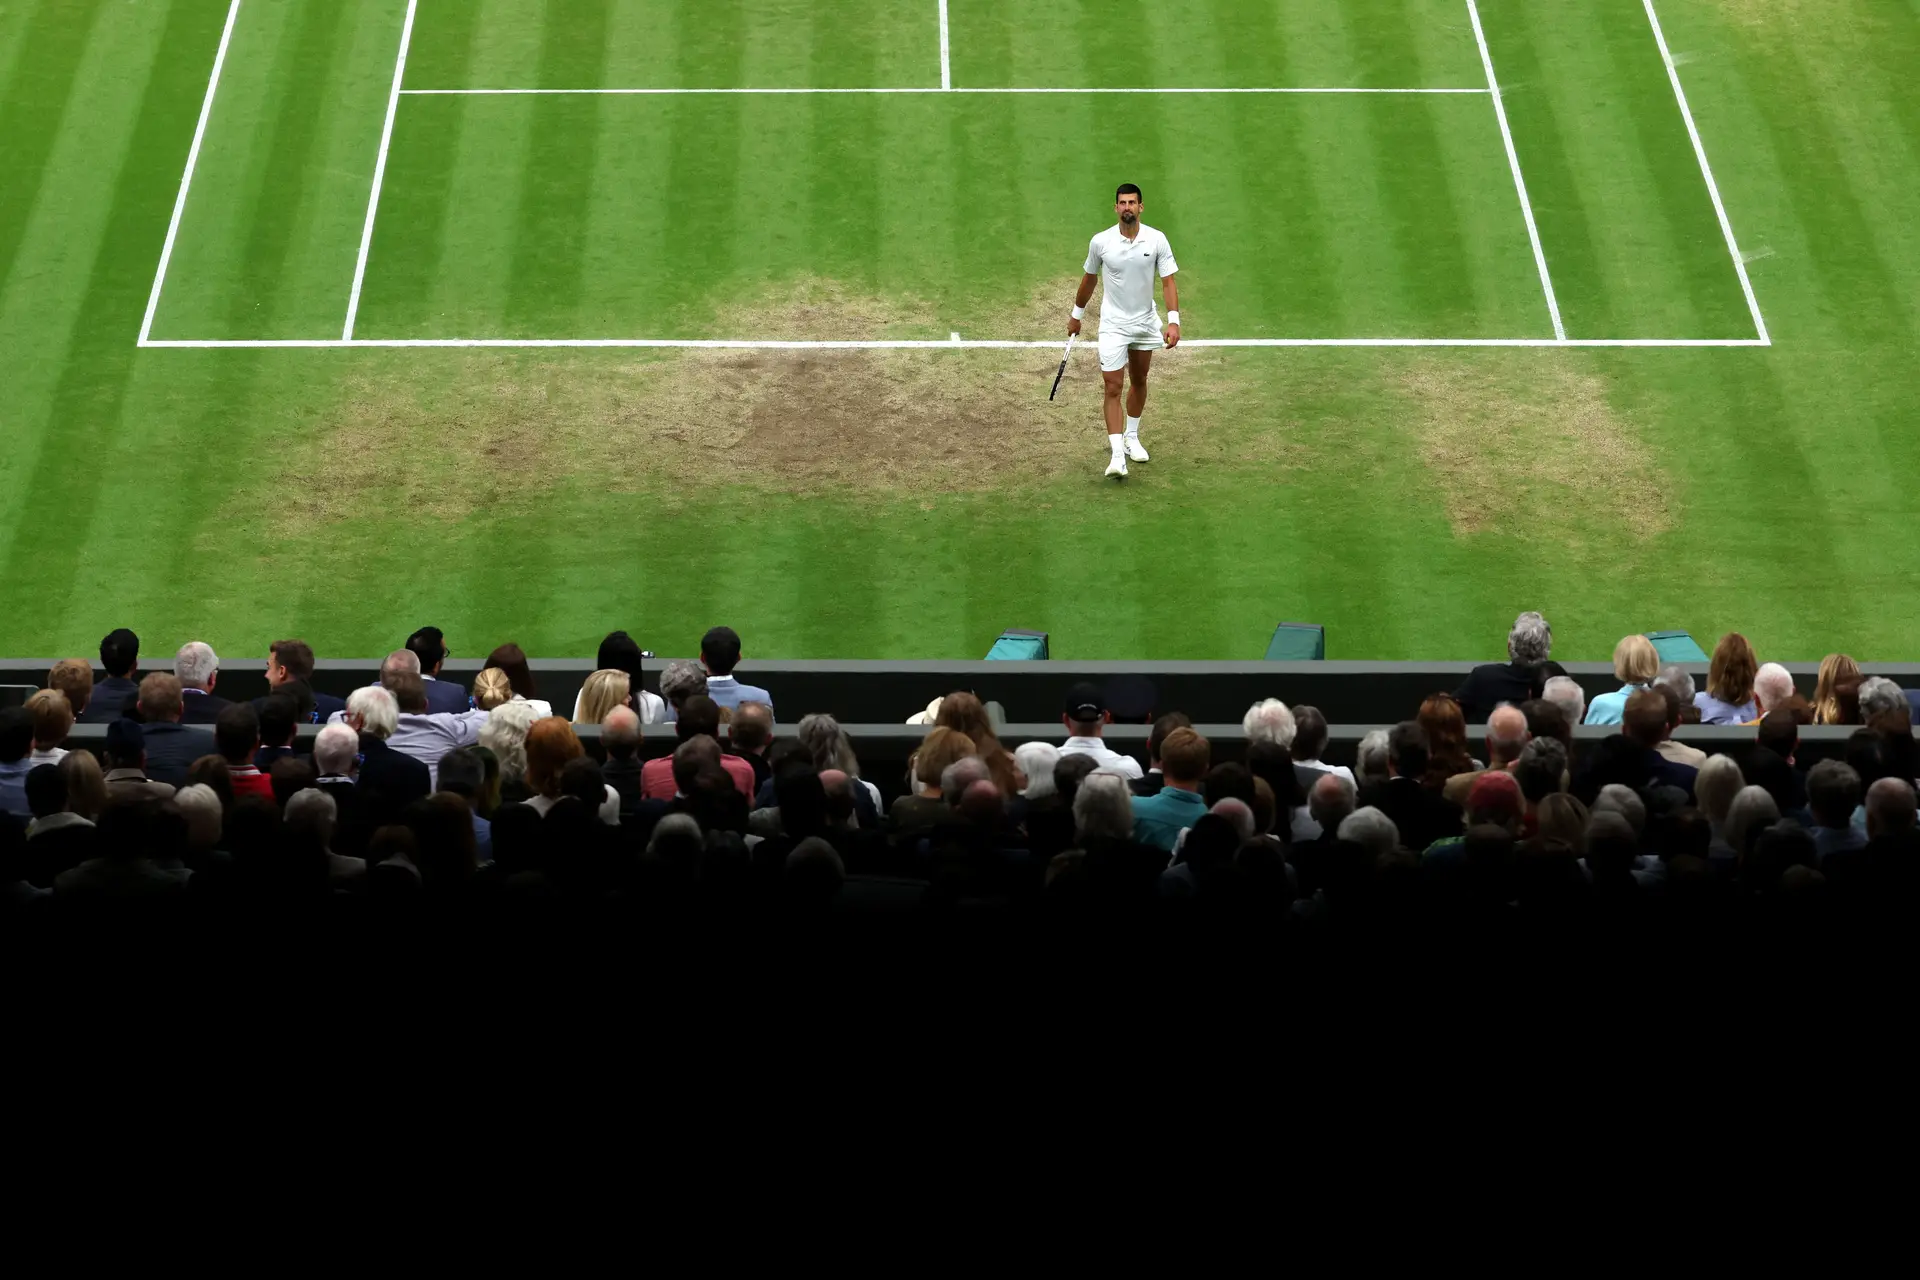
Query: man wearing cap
{"x": 127, "y": 763}
{"x": 1086, "y": 717}
{"x": 119, "y": 657}
{"x": 429, "y": 644}
{"x": 1494, "y": 801}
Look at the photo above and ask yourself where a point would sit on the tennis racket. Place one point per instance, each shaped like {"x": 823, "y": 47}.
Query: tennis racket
{"x": 1071, "y": 339}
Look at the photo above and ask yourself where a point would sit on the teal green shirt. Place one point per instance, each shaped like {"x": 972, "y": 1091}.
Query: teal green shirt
{"x": 1159, "y": 819}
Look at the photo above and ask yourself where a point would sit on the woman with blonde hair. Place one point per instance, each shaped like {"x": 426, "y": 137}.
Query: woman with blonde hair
{"x": 1635, "y": 664}
{"x": 1834, "y": 668}
{"x": 491, "y": 689}
{"x": 965, "y": 713}
{"x": 1728, "y": 698}
{"x": 604, "y": 690}
{"x": 86, "y": 784}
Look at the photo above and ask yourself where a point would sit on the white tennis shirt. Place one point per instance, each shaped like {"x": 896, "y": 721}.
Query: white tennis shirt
{"x": 1129, "y": 267}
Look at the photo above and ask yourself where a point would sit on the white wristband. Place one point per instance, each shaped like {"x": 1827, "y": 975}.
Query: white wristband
{"x": 1173, "y": 317}
{"x": 1079, "y": 313}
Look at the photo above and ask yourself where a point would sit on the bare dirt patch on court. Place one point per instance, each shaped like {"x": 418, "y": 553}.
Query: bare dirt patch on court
{"x": 1539, "y": 457}
{"x": 451, "y": 435}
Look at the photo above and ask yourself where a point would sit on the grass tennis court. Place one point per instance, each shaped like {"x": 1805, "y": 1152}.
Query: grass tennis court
{"x": 342, "y": 413}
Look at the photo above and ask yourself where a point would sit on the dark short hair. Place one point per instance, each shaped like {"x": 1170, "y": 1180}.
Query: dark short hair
{"x": 1228, "y": 781}
{"x": 619, "y": 652}
{"x": 235, "y": 731}
{"x": 1644, "y": 718}
{"x": 1779, "y": 732}
{"x": 1833, "y": 791}
{"x": 428, "y": 644}
{"x": 120, "y": 652}
{"x": 295, "y": 655}
{"x": 699, "y": 714}
{"x": 278, "y": 715}
{"x": 581, "y": 778}
{"x": 720, "y": 650}
{"x": 16, "y": 733}
{"x": 1407, "y": 748}
{"x": 1547, "y": 719}
{"x": 1070, "y": 772}
{"x": 512, "y": 659}
{"x": 1309, "y": 733}
{"x": 46, "y": 790}
{"x": 1165, "y": 725}
{"x": 1126, "y": 189}
{"x": 462, "y": 772}
{"x": 289, "y": 776}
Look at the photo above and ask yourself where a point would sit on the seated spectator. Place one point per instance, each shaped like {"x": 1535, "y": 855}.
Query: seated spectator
{"x": 1772, "y": 689}
{"x": 1159, "y": 819}
{"x": 603, "y": 690}
{"x": 289, "y": 777}
{"x": 620, "y": 738}
{"x": 1507, "y": 737}
{"x": 52, "y": 722}
{"x": 620, "y": 652}
{"x": 135, "y": 862}
{"x": 464, "y": 774}
{"x": 581, "y": 778}
{"x": 505, "y": 735}
{"x": 86, "y": 784}
{"x": 1036, "y": 760}
{"x": 1107, "y": 863}
{"x": 551, "y": 746}
{"x": 205, "y": 817}
{"x": 1729, "y": 694}
{"x": 212, "y": 771}
{"x": 117, "y": 690}
{"x": 279, "y": 718}
{"x": 335, "y": 757}
{"x": 1329, "y": 803}
{"x": 750, "y": 736}
{"x": 1372, "y": 830}
{"x": 57, "y": 838}
{"x": 290, "y": 675}
{"x": 16, "y": 751}
{"x": 720, "y": 654}
{"x": 1446, "y": 732}
{"x": 427, "y": 736}
{"x": 828, "y": 746}
{"x": 699, "y": 718}
{"x": 1718, "y": 782}
{"x": 1148, "y": 783}
{"x": 1310, "y": 743}
{"x": 126, "y": 754}
{"x": 1541, "y": 771}
{"x": 1272, "y": 765}
{"x": 966, "y": 714}
{"x": 919, "y": 811}
{"x": 1270, "y": 720}
{"x": 73, "y": 678}
{"x": 198, "y": 670}
{"x": 1370, "y": 759}
{"x": 388, "y": 780}
{"x": 428, "y": 646}
{"x": 1086, "y": 718}
{"x": 1635, "y": 665}
{"x": 512, "y": 659}
{"x": 236, "y": 735}
{"x": 1833, "y": 793}
{"x": 1565, "y": 693}
{"x": 1891, "y": 809}
{"x": 1834, "y": 668}
{"x": 1626, "y": 802}
{"x": 1645, "y": 724}
{"x": 1548, "y": 720}
{"x": 1494, "y": 801}
{"x": 170, "y": 745}
{"x": 311, "y": 819}
{"x": 1529, "y": 644}
{"x": 1419, "y": 814}
{"x": 1751, "y": 812}
{"x": 491, "y": 689}
{"x": 1677, "y": 709}
{"x": 1678, "y": 681}
{"x": 1050, "y": 828}
{"x": 680, "y": 680}
{"x": 1880, "y": 697}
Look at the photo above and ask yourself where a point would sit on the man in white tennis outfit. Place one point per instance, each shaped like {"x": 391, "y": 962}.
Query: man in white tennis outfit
{"x": 1129, "y": 254}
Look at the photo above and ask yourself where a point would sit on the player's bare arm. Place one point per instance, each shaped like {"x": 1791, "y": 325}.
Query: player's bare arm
{"x": 1080, "y": 300}
{"x": 1171, "y": 286}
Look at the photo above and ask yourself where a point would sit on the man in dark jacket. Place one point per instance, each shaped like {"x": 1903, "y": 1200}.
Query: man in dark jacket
{"x": 116, "y": 691}
{"x": 171, "y": 746}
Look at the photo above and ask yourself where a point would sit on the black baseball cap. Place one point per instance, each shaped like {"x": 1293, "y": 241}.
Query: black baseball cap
{"x": 1086, "y": 702}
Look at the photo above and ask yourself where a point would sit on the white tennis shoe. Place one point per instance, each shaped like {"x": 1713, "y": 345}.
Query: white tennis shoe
{"x": 1136, "y": 450}
{"x": 1118, "y": 467}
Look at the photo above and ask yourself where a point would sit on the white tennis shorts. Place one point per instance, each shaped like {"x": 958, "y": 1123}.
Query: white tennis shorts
{"x": 1118, "y": 339}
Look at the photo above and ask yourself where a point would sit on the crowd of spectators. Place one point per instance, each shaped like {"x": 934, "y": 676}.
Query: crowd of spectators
{"x": 1479, "y": 806}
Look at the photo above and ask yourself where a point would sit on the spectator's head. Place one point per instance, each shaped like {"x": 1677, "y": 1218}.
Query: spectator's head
{"x": 1372, "y": 830}
{"x": 1407, "y": 753}
{"x": 1548, "y": 720}
{"x": 1779, "y": 732}
{"x": 1495, "y": 800}
{"x": 1612, "y": 844}
{"x": 204, "y": 814}
{"x": 126, "y": 745}
{"x": 1309, "y": 733}
{"x": 491, "y": 689}
{"x": 1675, "y": 708}
{"x": 1102, "y": 807}
{"x": 1530, "y": 643}
{"x": 839, "y": 796}
{"x": 1227, "y": 779}
{"x": 1086, "y": 714}
{"x": 1565, "y": 693}
{"x": 582, "y": 778}
{"x": 1753, "y": 810}
{"x": 621, "y": 652}
{"x": 814, "y": 871}
{"x": 1880, "y": 696}
{"x": 1635, "y": 661}
{"x": 1719, "y": 782}
{"x": 463, "y": 773}
{"x": 1069, "y": 772}
{"x": 699, "y": 715}
{"x": 214, "y": 772}
{"x": 279, "y": 720}
{"x": 289, "y": 776}
{"x": 1264, "y": 805}
{"x": 236, "y": 733}
{"x": 1240, "y": 814}
{"x": 1269, "y": 721}
{"x": 1625, "y": 801}
{"x": 409, "y": 694}
{"x": 288, "y": 660}
{"x": 313, "y": 814}
{"x": 1679, "y": 680}
{"x": 401, "y": 662}
{"x": 1833, "y": 792}
{"x": 680, "y": 680}
{"x": 1273, "y": 764}
{"x": 550, "y": 744}
{"x": 120, "y": 653}
{"x": 1890, "y": 807}
{"x": 52, "y": 718}
{"x": 981, "y": 804}
{"x": 1730, "y": 675}
{"x": 827, "y": 744}
{"x": 751, "y": 731}
{"x": 46, "y": 789}
{"x": 86, "y": 784}
{"x": 1185, "y": 758}
{"x": 961, "y": 774}
{"x": 512, "y": 659}
{"x": 720, "y": 651}
{"x": 1165, "y": 725}
{"x": 1446, "y": 727}
{"x": 372, "y": 709}
{"x": 1644, "y": 719}
{"x": 1834, "y": 668}
{"x": 196, "y": 665}
{"x": 1330, "y": 801}
{"x": 160, "y": 700}
{"x": 693, "y": 758}
{"x": 1507, "y": 736}
{"x": 1541, "y": 769}
{"x": 429, "y": 645}
{"x": 1772, "y": 686}
{"x": 938, "y": 750}
{"x": 335, "y": 749}
{"x": 1561, "y": 819}
{"x": 73, "y": 677}
{"x": 604, "y": 690}
{"x": 965, "y": 712}
{"x": 1036, "y": 761}
{"x": 1846, "y": 699}
{"x": 1370, "y": 758}
{"x": 620, "y": 734}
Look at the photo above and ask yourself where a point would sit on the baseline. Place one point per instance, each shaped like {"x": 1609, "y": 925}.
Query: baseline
{"x": 924, "y": 344}
{"x": 451, "y": 93}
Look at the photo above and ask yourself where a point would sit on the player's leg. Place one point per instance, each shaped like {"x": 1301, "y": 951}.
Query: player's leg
{"x": 1139, "y": 364}
{"x": 1113, "y": 376}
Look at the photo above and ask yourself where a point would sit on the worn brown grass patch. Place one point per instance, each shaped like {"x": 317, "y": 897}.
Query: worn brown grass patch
{"x": 1549, "y": 454}
{"x": 489, "y": 431}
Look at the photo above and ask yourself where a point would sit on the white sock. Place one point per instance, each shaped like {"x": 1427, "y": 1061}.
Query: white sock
{"x": 1133, "y": 428}
{"x": 1118, "y": 443}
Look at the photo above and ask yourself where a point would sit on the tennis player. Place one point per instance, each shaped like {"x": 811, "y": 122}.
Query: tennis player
{"x": 1129, "y": 254}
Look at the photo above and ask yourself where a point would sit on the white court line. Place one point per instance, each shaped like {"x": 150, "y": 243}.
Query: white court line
{"x": 186, "y": 176}
{"x": 1519, "y": 183}
{"x": 946, "y": 64}
{"x": 454, "y": 93}
{"x": 925, "y": 344}
{"x": 1706, "y": 171}
{"x": 379, "y": 172}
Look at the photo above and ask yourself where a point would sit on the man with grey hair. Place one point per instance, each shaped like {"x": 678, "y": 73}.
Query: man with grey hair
{"x": 1268, "y": 720}
{"x": 1507, "y": 737}
{"x": 1102, "y": 808}
{"x": 1891, "y": 809}
{"x": 1772, "y": 685}
{"x": 1331, "y": 801}
{"x": 1880, "y": 696}
{"x": 388, "y": 780}
{"x": 198, "y": 669}
{"x": 1565, "y": 693}
{"x": 1370, "y": 758}
{"x": 1529, "y": 644}
{"x": 680, "y": 680}
{"x": 312, "y": 816}
{"x": 1372, "y": 830}
{"x": 961, "y": 774}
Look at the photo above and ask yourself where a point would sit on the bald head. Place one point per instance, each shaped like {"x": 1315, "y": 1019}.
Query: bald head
{"x": 1330, "y": 801}
{"x": 620, "y": 732}
{"x": 401, "y": 662}
{"x": 1239, "y": 813}
{"x": 981, "y": 804}
{"x": 1507, "y": 736}
{"x": 1891, "y": 807}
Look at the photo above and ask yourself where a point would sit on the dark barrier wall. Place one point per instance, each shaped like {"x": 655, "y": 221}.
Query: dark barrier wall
{"x": 1031, "y": 692}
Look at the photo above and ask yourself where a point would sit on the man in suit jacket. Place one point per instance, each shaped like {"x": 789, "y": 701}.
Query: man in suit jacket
{"x": 290, "y": 672}
{"x": 1515, "y": 680}
{"x": 1644, "y": 720}
{"x": 127, "y": 764}
{"x": 1422, "y": 816}
{"x": 170, "y": 745}
{"x": 1150, "y": 783}
{"x": 388, "y": 780}
{"x": 198, "y": 668}
{"x": 114, "y": 692}
{"x": 719, "y": 654}
{"x": 429, "y": 646}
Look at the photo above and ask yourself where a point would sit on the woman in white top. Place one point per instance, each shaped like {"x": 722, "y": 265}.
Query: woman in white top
{"x": 609, "y": 688}
{"x": 1310, "y": 739}
{"x": 619, "y": 652}
{"x": 512, "y": 659}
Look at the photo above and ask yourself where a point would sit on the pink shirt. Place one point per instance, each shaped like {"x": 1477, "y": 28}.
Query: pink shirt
{"x": 656, "y": 777}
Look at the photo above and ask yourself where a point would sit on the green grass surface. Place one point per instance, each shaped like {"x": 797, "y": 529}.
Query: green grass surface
{"x": 897, "y": 505}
